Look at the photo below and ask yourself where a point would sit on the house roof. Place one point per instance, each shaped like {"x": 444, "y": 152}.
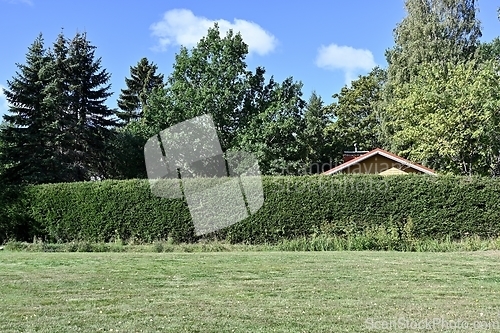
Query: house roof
{"x": 384, "y": 153}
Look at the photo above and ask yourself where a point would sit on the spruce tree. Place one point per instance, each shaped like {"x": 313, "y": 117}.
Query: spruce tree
{"x": 56, "y": 99}
{"x": 28, "y": 153}
{"x": 58, "y": 125}
{"x": 133, "y": 99}
{"x": 91, "y": 121}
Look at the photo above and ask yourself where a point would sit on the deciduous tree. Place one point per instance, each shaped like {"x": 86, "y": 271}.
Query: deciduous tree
{"x": 449, "y": 118}
{"x": 434, "y": 31}
{"x": 357, "y": 114}
{"x": 249, "y": 113}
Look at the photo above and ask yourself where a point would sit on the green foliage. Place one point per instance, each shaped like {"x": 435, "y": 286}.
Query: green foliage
{"x": 448, "y": 118}
{"x": 125, "y": 158}
{"x": 379, "y": 239}
{"x": 3, "y": 166}
{"x": 140, "y": 85}
{"x": 274, "y": 133}
{"x": 315, "y": 142}
{"x": 380, "y": 212}
{"x": 28, "y": 150}
{"x": 434, "y": 31}
{"x": 489, "y": 51}
{"x": 249, "y": 113}
{"x": 57, "y": 123}
{"x": 434, "y": 207}
{"x": 14, "y": 219}
{"x": 101, "y": 211}
{"x": 357, "y": 114}
{"x": 441, "y": 98}
{"x": 210, "y": 78}
{"x": 91, "y": 119}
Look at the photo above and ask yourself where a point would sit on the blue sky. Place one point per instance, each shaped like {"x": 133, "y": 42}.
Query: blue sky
{"x": 324, "y": 44}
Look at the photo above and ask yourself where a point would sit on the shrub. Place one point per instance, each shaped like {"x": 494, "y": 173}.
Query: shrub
{"x": 15, "y": 223}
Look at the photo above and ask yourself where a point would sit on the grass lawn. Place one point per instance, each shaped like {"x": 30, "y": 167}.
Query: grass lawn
{"x": 249, "y": 292}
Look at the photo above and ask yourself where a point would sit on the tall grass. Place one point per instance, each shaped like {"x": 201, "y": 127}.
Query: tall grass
{"x": 367, "y": 243}
{"x": 377, "y": 241}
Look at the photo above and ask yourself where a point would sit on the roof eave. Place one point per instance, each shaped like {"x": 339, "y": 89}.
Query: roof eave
{"x": 382, "y": 153}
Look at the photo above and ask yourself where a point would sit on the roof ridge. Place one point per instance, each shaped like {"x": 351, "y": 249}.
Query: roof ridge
{"x": 373, "y": 152}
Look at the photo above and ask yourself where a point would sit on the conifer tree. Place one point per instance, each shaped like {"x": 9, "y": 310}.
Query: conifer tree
{"x": 91, "y": 120}
{"x": 27, "y": 141}
{"x": 133, "y": 99}
{"x": 58, "y": 124}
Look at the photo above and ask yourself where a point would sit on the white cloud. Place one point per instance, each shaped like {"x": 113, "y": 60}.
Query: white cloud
{"x": 345, "y": 58}
{"x": 182, "y": 27}
{"x": 26, "y": 2}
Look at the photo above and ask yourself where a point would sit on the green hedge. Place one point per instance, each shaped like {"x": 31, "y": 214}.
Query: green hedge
{"x": 102, "y": 211}
{"x": 432, "y": 207}
{"x": 423, "y": 206}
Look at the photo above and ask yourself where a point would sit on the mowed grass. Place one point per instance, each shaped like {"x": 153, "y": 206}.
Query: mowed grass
{"x": 248, "y": 291}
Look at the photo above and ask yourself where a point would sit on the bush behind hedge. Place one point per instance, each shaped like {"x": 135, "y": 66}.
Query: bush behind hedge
{"x": 14, "y": 221}
{"x": 411, "y": 205}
